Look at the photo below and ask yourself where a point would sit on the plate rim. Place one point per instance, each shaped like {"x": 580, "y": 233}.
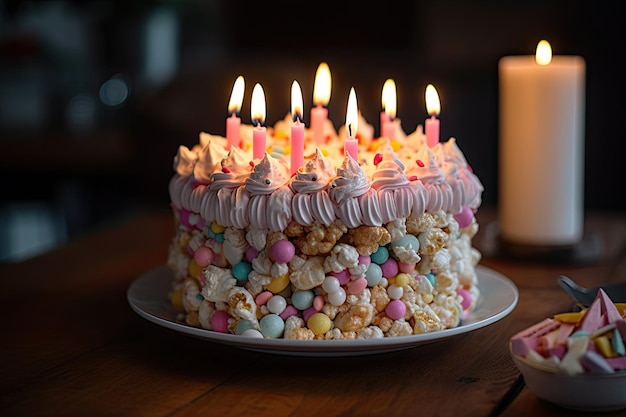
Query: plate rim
{"x": 158, "y": 311}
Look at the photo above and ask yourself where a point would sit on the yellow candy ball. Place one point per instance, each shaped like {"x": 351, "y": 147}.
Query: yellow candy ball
{"x": 194, "y": 269}
{"x": 395, "y": 145}
{"x": 217, "y": 228}
{"x": 324, "y": 151}
{"x": 402, "y": 279}
{"x": 277, "y": 284}
{"x": 287, "y": 149}
{"x": 177, "y": 299}
{"x": 319, "y": 323}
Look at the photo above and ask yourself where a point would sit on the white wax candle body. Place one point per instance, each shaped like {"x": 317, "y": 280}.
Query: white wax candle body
{"x": 541, "y": 150}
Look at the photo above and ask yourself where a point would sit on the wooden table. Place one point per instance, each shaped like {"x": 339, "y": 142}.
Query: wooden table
{"x": 72, "y": 345}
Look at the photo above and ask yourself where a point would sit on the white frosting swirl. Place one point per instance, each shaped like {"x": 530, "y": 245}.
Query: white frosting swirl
{"x": 349, "y": 184}
{"x": 235, "y": 169}
{"x": 184, "y": 161}
{"x": 209, "y": 159}
{"x": 268, "y": 175}
{"x": 314, "y": 175}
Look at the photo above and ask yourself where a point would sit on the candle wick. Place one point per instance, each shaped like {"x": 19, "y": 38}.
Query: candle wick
{"x": 350, "y": 130}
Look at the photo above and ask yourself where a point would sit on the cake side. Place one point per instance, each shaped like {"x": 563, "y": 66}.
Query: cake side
{"x": 343, "y": 249}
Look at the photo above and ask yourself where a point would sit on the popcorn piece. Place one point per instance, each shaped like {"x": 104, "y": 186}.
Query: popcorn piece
{"x": 342, "y": 256}
{"x": 191, "y": 292}
{"x": 241, "y": 304}
{"x": 309, "y": 275}
{"x": 320, "y": 239}
{"x": 218, "y": 283}
{"x": 355, "y": 319}
{"x": 367, "y": 239}
{"x": 431, "y": 240}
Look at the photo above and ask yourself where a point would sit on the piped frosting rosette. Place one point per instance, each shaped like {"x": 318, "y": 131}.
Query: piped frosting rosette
{"x": 311, "y": 201}
{"x": 229, "y": 186}
{"x": 451, "y": 172}
{"x": 473, "y": 187}
{"x": 345, "y": 190}
{"x": 428, "y": 172}
{"x": 270, "y": 196}
{"x": 184, "y": 161}
{"x": 209, "y": 157}
{"x": 393, "y": 186}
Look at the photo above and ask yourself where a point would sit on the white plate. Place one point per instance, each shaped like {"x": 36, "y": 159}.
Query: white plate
{"x": 147, "y": 295}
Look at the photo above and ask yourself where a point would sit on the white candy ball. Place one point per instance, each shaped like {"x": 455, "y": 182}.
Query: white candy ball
{"x": 395, "y": 292}
{"x": 277, "y": 304}
{"x": 338, "y": 297}
{"x": 330, "y": 284}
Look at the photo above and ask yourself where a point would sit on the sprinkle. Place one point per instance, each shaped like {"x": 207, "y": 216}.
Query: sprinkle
{"x": 413, "y": 178}
{"x": 377, "y": 158}
{"x": 252, "y": 164}
{"x": 225, "y": 170}
{"x": 419, "y": 163}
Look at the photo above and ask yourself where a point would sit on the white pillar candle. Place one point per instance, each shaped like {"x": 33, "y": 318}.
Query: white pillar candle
{"x": 541, "y": 157}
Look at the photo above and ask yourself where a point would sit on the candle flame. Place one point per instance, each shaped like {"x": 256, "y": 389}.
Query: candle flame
{"x": 236, "y": 97}
{"x": 543, "y": 55}
{"x": 296, "y": 102}
{"x": 257, "y": 105}
{"x": 433, "y": 106}
{"x": 389, "y": 98}
{"x": 352, "y": 114}
{"x": 322, "y": 87}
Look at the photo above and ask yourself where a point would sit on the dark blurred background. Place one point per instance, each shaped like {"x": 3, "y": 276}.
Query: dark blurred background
{"x": 96, "y": 96}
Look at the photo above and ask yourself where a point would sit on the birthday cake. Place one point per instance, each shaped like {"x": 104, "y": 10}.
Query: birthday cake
{"x": 344, "y": 248}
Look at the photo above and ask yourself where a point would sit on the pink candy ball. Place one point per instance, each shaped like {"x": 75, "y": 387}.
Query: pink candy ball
{"x": 288, "y": 312}
{"x": 184, "y": 218}
{"x": 263, "y": 297}
{"x": 365, "y": 260}
{"x": 219, "y": 321}
{"x": 203, "y": 256}
{"x": 283, "y": 251}
{"x": 343, "y": 276}
{"x": 464, "y": 217}
{"x": 395, "y": 309}
{"x": 467, "y": 298}
{"x": 357, "y": 286}
{"x": 389, "y": 268}
{"x": 406, "y": 268}
{"x": 251, "y": 253}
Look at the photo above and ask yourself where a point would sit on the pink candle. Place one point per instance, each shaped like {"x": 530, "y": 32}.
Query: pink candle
{"x": 258, "y": 119}
{"x": 321, "y": 97}
{"x": 297, "y": 129}
{"x": 233, "y": 123}
{"x": 351, "y": 144}
{"x": 387, "y": 116}
{"x": 433, "y": 106}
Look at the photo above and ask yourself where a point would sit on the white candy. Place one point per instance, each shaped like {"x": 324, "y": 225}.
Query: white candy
{"x": 338, "y": 297}
{"x": 252, "y": 333}
{"x": 277, "y": 304}
{"x": 395, "y": 292}
{"x": 330, "y": 284}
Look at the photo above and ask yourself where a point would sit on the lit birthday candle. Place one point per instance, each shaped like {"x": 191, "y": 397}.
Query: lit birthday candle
{"x": 388, "y": 114}
{"x": 321, "y": 97}
{"x": 233, "y": 123}
{"x": 351, "y": 144}
{"x": 297, "y": 129}
{"x": 433, "y": 107}
{"x": 257, "y": 110}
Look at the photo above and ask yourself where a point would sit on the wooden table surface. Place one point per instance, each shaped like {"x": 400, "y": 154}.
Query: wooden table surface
{"x": 72, "y": 345}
